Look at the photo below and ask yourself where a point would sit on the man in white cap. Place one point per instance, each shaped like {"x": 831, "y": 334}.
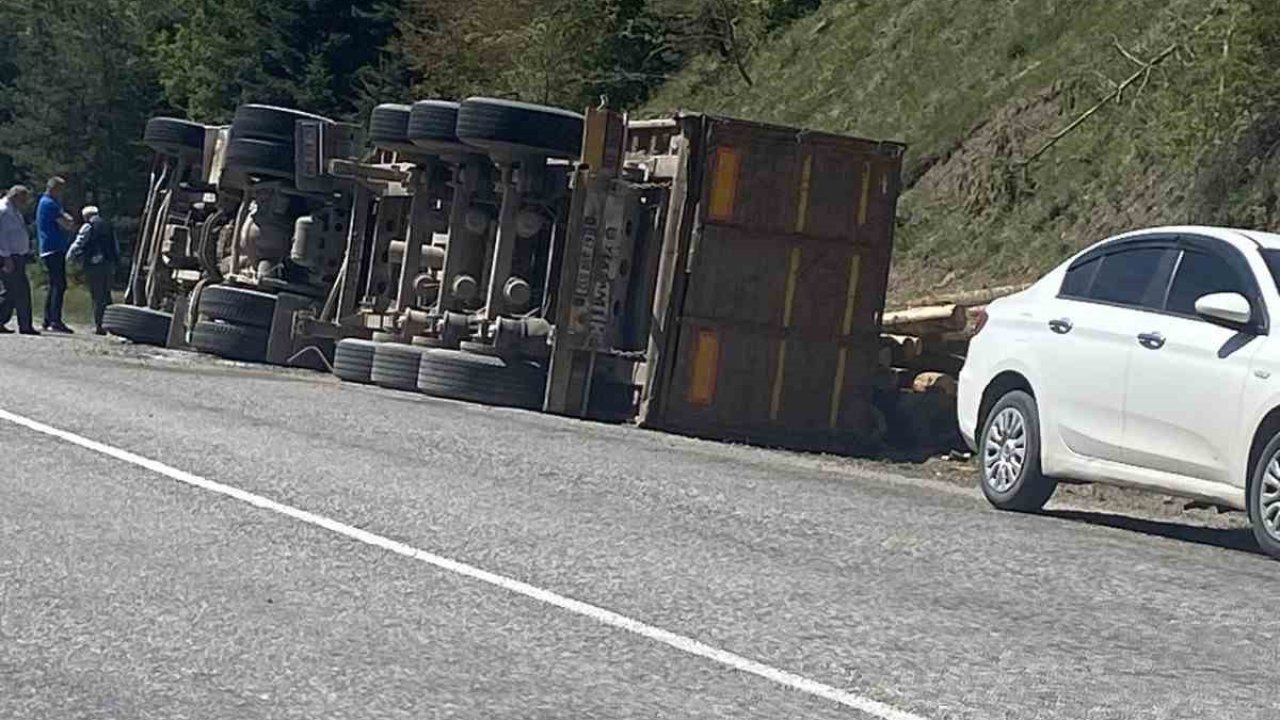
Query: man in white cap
{"x": 15, "y": 248}
{"x": 95, "y": 246}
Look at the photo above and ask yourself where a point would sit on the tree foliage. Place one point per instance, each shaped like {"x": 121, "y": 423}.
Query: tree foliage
{"x": 80, "y": 78}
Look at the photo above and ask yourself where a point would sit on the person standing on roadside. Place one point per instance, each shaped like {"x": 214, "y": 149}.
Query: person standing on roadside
{"x": 53, "y": 225}
{"x": 96, "y": 249}
{"x": 15, "y": 248}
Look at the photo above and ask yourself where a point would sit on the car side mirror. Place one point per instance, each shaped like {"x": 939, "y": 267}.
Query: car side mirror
{"x": 1228, "y": 307}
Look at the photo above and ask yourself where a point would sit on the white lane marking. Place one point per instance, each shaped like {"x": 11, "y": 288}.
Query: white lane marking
{"x": 682, "y": 643}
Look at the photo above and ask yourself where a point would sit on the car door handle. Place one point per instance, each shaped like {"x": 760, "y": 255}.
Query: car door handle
{"x": 1062, "y": 326}
{"x": 1151, "y": 341}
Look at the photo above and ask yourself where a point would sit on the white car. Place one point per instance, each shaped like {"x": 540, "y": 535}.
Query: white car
{"x": 1149, "y": 360}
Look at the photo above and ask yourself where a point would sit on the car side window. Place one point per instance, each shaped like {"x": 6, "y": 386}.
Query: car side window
{"x": 1200, "y": 274}
{"x": 1079, "y": 278}
{"x": 1137, "y": 277}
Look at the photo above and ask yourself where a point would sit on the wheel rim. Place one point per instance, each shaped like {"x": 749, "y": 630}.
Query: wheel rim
{"x": 1005, "y": 454}
{"x": 1269, "y": 498}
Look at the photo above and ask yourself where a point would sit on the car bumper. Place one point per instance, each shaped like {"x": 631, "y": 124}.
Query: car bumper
{"x": 968, "y": 403}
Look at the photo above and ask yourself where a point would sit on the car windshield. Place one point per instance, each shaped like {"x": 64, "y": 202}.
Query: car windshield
{"x": 1273, "y": 264}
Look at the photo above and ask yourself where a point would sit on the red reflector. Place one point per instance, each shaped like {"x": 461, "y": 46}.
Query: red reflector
{"x": 979, "y": 321}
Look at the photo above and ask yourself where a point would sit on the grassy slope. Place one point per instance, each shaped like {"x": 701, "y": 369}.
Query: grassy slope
{"x": 974, "y": 86}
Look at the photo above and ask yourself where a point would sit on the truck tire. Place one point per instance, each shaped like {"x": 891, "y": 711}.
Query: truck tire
{"x": 138, "y": 324}
{"x": 266, "y": 122}
{"x": 238, "y": 306}
{"x": 506, "y": 128}
{"x": 234, "y": 342}
{"x": 433, "y": 126}
{"x": 484, "y": 379}
{"x": 353, "y": 360}
{"x": 166, "y": 134}
{"x": 389, "y": 127}
{"x": 265, "y": 158}
{"x": 395, "y": 365}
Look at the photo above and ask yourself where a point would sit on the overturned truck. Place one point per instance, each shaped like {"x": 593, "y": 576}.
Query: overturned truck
{"x": 699, "y": 274}
{"x": 242, "y": 230}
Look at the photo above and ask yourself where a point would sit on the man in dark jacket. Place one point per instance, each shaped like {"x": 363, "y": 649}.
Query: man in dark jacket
{"x": 95, "y": 247}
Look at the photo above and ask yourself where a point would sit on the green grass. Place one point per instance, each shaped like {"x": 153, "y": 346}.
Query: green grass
{"x": 974, "y": 86}
{"x": 77, "y": 306}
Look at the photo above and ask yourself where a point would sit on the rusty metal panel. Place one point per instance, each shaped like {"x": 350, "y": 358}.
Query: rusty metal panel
{"x": 777, "y": 321}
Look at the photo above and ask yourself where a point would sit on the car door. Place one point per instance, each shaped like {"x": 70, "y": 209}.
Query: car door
{"x": 1088, "y": 341}
{"x": 1186, "y": 377}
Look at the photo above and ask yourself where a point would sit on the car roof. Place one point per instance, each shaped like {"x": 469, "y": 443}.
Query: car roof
{"x": 1232, "y": 235}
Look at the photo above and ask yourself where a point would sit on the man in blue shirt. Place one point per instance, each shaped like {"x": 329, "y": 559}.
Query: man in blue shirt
{"x": 53, "y": 227}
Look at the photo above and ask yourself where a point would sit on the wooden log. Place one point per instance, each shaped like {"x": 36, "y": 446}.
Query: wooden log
{"x": 904, "y": 348}
{"x": 937, "y": 382}
{"x": 970, "y": 298}
{"x": 931, "y": 320}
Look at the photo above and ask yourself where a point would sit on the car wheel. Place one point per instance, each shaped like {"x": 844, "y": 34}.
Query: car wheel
{"x": 1010, "y": 456}
{"x": 504, "y": 127}
{"x": 353, "y": 360}
{"x": 1264, "y": 499}
{"x": 239, "y": 306}
{"x": 484, "y": 379}
{"x": 138, "y": 324}
{"x": 171, "y": 135}
{"x": 234, "y": 342}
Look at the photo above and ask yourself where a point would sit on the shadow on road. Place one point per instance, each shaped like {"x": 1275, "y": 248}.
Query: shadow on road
{"x": 1239, "y": 539}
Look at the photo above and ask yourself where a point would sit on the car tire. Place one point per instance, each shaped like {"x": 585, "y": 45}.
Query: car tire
{"x": 433, "y": 126}
{"x": 353, "y": 360}
{"x": 266, "y": 122}
{"x": 263, "y": 158}
{"x": 395, "y": 365}
{"x": 389, "y": 127}
{"x": 171, "y": 135}
{"x": 484, "y": 379}
{"x": 234, "y": 342}
{"x": 1263, "y": 499}
{"x": 507, "y": 128}
{"x": 138, "y": 324}
{"x": 1009, "y": 455}
{"x": 238, "y": 306}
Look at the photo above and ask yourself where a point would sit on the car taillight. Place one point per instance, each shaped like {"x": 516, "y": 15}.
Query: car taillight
{"x": 979, "y": 321}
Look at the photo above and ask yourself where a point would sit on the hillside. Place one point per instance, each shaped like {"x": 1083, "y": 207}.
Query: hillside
{"x": 975, "y": 87}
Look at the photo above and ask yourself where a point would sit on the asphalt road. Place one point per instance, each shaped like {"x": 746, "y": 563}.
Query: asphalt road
{"x": 125, "y": 593}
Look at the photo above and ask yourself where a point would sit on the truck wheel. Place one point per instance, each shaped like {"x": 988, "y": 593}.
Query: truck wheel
{"x": 353, "y": 360}
{"x": 395, "y": 365}
{"x": 1263, "y": 499}
{"x": 484, "y": 379}
{"x": 266, "y": 122}
{"x": 433, "y": 126}
{"x": 238, "y": 306}
{"x": 1010, "y": 455}
{"x": 504, "y": 127}
{"x": 171, "y": 135}
{"x": 389, "y": 127}
{"x": 234, "y": 342}
{"x": 138, "y": 324}
{"x": 266, "y": 158}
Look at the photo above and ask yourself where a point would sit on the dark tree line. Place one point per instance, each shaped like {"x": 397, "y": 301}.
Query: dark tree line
{"x": 79, "y": 78}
